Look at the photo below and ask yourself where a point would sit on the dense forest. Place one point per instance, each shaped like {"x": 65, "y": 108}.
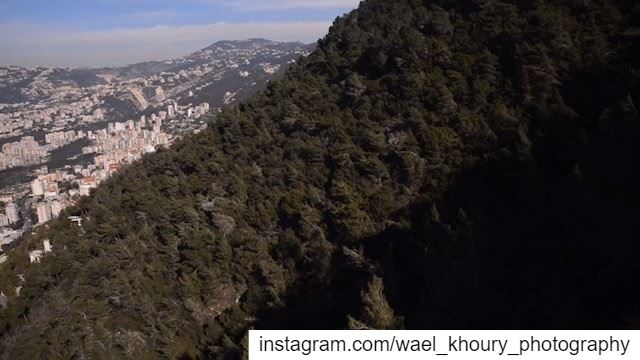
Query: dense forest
{"x": 436, "y": 164}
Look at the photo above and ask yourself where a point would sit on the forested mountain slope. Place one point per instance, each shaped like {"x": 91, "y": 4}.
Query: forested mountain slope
{"x": 434, "y": 164}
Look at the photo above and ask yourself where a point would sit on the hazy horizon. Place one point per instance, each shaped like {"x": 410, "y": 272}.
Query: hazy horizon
{"x": 108, "y": 33}
{"x": 117, "y": 65}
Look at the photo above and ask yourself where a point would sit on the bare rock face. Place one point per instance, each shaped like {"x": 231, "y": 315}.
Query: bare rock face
{"x": 226, "y": 224}
{"x": 224, "y": 297}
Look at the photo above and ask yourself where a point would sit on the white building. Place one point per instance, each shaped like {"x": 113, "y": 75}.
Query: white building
{"x": 47, "y": 246}
{"x": 37, "y": 188}
{"x": 44, "y": 212}
{"x": 85, "y": 190}
{"x": 76, "y": 220}
{"x": 11, "y": 211}
{"x": 7, "y": 236}
{"x": 35, "y": 256}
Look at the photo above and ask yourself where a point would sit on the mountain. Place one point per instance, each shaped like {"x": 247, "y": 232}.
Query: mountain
{"x": 238, "y": 67}
{"x": 222, "y": 73}
{"x": 250, "y": 65}
{"x": 433, "y": 164}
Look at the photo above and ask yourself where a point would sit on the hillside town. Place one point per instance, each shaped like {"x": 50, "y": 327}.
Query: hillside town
{"x": 64, "y": 131}
{"x": 110, "y": 148}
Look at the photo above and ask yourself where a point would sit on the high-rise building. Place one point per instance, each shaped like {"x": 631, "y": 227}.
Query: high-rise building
{"x": 37, "y": 188}
{"x": 44, "y": 213}
{"x": 11, "y": 211}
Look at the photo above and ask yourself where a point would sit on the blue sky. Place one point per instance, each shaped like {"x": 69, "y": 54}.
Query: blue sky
{"x": 115, "y": 32}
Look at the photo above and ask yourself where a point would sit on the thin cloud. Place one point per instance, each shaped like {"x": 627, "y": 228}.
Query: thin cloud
{"x": 260, "y": 4}
{"x": 290, "y": 4}
{"x": 257, "y": 4}
{"x": 35, "y": 46}
{"x": 160, "y": 15}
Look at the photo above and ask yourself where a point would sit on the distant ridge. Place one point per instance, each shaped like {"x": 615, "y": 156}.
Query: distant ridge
{"x": 216, "y": 85}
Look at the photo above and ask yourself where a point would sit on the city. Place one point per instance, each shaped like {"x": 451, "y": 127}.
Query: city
{"x": 64, "y": 131}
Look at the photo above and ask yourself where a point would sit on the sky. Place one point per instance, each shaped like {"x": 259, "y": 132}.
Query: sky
{"x": 90, "y": 33}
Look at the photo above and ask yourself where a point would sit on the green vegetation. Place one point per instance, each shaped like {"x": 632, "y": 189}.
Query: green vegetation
{"x": 434, "y": 164}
